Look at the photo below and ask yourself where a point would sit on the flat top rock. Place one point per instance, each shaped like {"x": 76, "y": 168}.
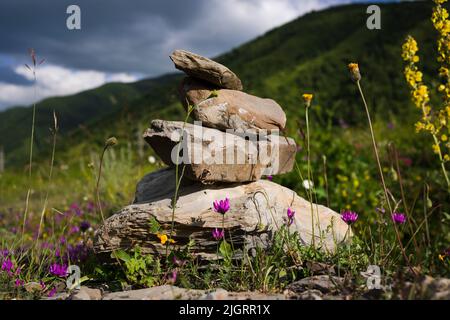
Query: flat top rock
{"x": 206, "y": 69}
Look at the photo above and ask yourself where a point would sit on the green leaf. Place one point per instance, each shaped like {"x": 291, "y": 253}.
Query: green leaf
{"x": 225, "y": 249}
{"x": 120, "y": 254}
{"x": 155, "y": 227}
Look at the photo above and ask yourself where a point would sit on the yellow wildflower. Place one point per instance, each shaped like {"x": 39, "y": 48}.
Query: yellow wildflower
{"x": 436, "y": 148}
{"x": 354, "y": 71}
{"x": 307, "y": 98}
{"x": 164, "y": 238}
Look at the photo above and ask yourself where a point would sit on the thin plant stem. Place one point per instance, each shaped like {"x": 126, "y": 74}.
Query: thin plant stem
{"x": 309, "y": 176}
{"x": 30, "y": 164}
{"x": 97, "y": 185}
{"x": 375, "y": 148}
{"x": 444, "y": 171}
{"x": 325, "y": 176}
{"x": 402, "y": 192}
{"x": 50, "y": 175}
{"x": 178, "y": 179}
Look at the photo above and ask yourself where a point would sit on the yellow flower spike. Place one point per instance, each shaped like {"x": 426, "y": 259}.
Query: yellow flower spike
{"x": 436, "y": 148}
{"x": 444, "y": 137}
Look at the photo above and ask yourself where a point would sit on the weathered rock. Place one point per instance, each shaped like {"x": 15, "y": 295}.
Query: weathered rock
{"x": 210, "y": 155}
{"x": 205, "y": 69}
{"x": 221, "y": 294}
{"x": 231, "y": 109}
{"x": 257, "y": 209}
{"x": 165, "y": 292}
{"x": 322, "y": 283}
{"x": 428, "y": 288}
{"x": 86, "y": 293}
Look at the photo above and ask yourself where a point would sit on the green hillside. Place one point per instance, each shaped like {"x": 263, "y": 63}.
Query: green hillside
{"x": 308, "y": 54}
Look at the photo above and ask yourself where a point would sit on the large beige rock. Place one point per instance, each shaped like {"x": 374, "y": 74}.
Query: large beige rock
{"x": 256, "y": 210}
{"x": 211, "y": 155}
{"x": 231, "y": 109}
{"x": 205, "y": 69}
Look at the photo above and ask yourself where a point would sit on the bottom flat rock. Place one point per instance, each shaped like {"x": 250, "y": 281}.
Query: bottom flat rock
{"x": 256, "y": 210}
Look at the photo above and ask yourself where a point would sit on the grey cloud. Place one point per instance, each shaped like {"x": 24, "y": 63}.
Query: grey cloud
{"x": 136, "y": 36}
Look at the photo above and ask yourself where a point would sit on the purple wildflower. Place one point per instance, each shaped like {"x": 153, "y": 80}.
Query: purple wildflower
{"x": 4, "y": 253}
{"x": 74, "y": 229}
{"x": 62, "y": 240}
{"x": 52, "y": 292}
{"x": 173, "y": 278}
{"x": 406, "y": 161}
{"x": 76, "y": 209}
{"x": 349, "y": 217}
{"x": 46, "y": 245}
{"x": 399, "y": 218}
{"x": 90, "y": 206}
{"x": 178, "y": 262}
{"x": 7, "y": 265}
{"x": 222, "y": 206}
{"x": 78, "y": 253}
{"x": 290, "y": 215}
{"x": 59, "y": 270}
{"x": 381, "y": 210}
{"x": 218, "y": 234}
{"x": 43, "y": 286}
{"x": 18, "y": 283}
{"x": 270, "y": 177}
{"x": 84, "y": 226}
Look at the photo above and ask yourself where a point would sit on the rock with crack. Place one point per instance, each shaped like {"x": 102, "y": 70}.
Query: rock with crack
{"x": 210, "y": 155}
{"x": 256, "y": 210}
{"x": 205, "y": 69}
{"x": 231, "y": 109}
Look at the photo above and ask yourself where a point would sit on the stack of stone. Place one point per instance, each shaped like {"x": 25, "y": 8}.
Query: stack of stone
{"x": 234, "y": 141}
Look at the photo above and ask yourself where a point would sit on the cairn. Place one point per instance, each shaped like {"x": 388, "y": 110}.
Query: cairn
{"x": 236, "y": 140}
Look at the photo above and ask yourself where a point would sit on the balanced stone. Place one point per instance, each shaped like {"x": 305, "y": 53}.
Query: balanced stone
{"x": 257, "y": 209}
{"x": 231, "y": 109}
{"x": 205, "y": 69}
{"x": 210, "y": 155}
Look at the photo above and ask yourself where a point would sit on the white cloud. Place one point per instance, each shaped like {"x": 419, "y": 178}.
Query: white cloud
{"x": 224, "y": 24}
{"x": 55, "y": 80}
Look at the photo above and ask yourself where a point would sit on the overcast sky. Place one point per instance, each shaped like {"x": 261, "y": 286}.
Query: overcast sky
{"x": 124, "y": 40}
